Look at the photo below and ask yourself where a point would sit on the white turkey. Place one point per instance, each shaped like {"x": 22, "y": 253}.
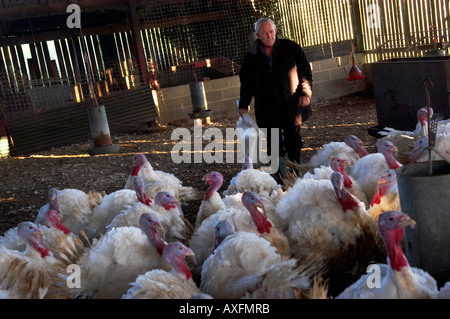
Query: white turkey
{"x": 338, "y": 164}
{"x": 61, "y": 241}
{"x": 260, "y": 183}
{"x": 250, "y": 219}
{"x": 118, "y": 257}
{"x": 142, "y": 167}
{"x": 56, "y": 236}
{"x": 6, "y": 295}
{"x": 440, "y": 150}
{"x": 329, "y": 229}
{"x": 76, "y": 208}
{"x": 244, "y": 265}
{"x": 166, "y": 208}
{"x": 31, "y": 273}
{"x": 212, "y": 201}
{"x": 322, "y": 172}
{"x": 351, "y": 149}
{"x": 11, "y": 240}
{"x": 444, "y": 291}
{"x": 257, "y": 181}
{"x": 397, "y": 279}
{"x": 176, "y": 283}
{"x": 421, "y": 128}
{"x": 153, "y": 188}
{"x": 112, "y": 205}
{"x": 404, "y": 140}
{"x": 369, "y": 169}
{"x": 387, "y": 197}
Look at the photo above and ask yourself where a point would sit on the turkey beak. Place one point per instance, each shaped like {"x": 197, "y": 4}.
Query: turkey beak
{"x": 339, "y": 192}
{"x": 381, "y": 181}
{"x": 206, "y": 179}
{"x": 160, "y": 227}
{"x": 405, "y": 220}
{"x": 38, "y": 232}
{"x": 346, "y": 163}
{"x": 191, "y": 253}
{"x": 337, "y": 181}
{"x": 264, "y": 212}
{"x": 54, "y": 200}
{"x": 39, "y": 235}
{"x": 359, "y": 143}
{"x": 217, "y": 240}
{"x": 394, "y": 150}
{"x": 259, "y": 204}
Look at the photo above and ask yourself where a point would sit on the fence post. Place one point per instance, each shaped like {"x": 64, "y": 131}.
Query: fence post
{"x": 408, "y": 39}
{"x": 357, "y": 25}
{"x": 137, "y": 42}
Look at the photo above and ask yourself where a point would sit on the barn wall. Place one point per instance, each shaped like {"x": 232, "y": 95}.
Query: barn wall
{"x": 330, "y": 81}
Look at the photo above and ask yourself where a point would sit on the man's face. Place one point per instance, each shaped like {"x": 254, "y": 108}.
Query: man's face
{"x": 267, "y": 33}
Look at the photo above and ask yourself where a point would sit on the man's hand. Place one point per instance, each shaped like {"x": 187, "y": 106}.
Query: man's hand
{"x": 242, "y": 112}
{"x": 304, "y": 101}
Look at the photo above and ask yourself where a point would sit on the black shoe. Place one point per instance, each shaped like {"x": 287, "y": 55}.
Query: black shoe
{"x": 292, "y": 166}
{"x": 277, "y": 178}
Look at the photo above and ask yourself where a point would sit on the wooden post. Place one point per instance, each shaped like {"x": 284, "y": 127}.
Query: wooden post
{"x": 135, "y": 27}
{"x": 76, "y": 66}
{"x": 356, "y": 20}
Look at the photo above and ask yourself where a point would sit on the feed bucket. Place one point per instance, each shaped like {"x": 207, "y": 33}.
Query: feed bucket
{"x": 425, "y": 197}
{"x": 101, "y": 135}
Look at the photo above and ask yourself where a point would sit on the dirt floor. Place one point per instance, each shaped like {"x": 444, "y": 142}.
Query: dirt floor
{"x": 26, "y": 180}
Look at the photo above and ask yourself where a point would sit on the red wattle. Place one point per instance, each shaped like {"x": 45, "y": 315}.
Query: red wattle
{"x": 136, "y": 170}
{"x": 376, "y": 199}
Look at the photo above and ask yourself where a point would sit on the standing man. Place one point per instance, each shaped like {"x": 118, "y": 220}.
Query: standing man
{"x": 277, "y": 74}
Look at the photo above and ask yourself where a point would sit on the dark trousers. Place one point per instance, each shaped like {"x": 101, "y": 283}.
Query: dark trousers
{"x": 293, "y": 142}
{"x": 290, "y": 142}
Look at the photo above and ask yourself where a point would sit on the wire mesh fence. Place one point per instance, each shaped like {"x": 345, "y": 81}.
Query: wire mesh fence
{"x": 25, "y": 94}
{"x": 188, "y": 41}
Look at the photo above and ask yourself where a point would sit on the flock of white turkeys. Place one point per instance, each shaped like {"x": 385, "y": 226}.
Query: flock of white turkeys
{"x": 315, "y": 239}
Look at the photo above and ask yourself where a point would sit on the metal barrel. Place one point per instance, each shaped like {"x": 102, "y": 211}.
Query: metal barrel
{"x": 425, "y": 198}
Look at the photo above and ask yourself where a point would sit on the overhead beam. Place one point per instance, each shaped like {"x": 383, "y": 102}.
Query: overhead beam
{"x": 62, "y": 34}
{"x": 12, "y": 11}
{"x": 17, "y": 12}
{"x": 99, "y": 30}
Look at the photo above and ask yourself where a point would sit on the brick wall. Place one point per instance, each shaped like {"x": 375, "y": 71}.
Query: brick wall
{"x": 330, "y": 78}
{"x": 330, "y": 81}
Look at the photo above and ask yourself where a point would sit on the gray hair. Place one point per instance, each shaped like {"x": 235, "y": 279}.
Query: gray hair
{"x": 263, "y": 20}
